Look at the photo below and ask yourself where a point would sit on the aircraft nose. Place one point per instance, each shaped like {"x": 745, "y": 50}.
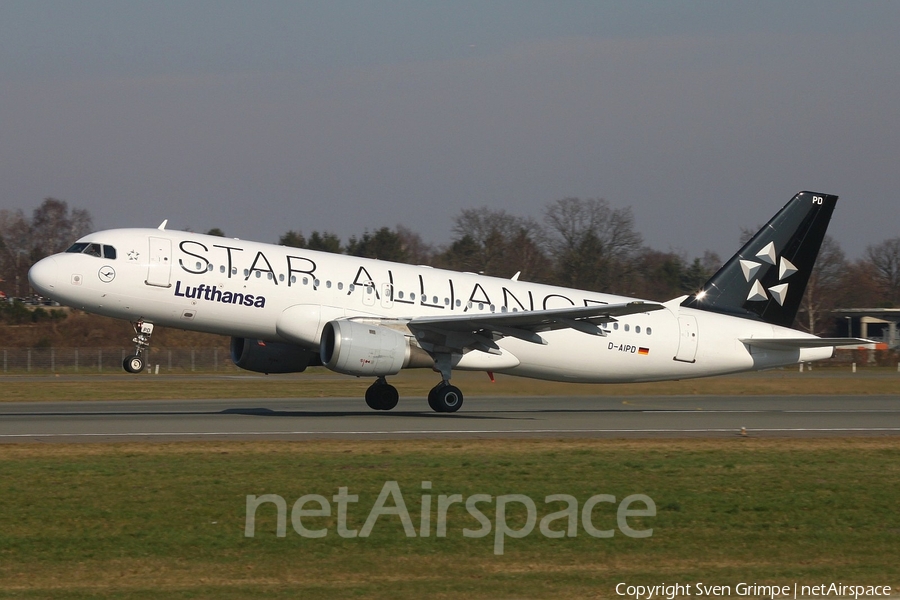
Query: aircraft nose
{"x": 42, "y": 276}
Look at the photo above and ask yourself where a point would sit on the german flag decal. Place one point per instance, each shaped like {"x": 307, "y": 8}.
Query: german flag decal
{"x": 644, "y": 351}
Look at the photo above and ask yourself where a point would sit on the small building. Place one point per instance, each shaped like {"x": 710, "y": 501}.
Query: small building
{"x": 878, "y": 324}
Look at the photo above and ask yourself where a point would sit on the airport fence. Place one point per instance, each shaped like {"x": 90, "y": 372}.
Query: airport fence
{"x": 16, "y": 361}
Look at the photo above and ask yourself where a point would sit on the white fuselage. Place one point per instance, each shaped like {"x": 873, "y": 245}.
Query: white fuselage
{"x": 276, "y": 293}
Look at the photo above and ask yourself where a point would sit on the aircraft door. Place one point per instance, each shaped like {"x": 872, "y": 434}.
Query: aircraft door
{"x": 159, "y": 271}
{"x": 688, "y": 339}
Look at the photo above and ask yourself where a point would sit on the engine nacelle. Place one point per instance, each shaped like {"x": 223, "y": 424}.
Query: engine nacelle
{"x": 271, "y": 357}
{"x": 355, "y": 348}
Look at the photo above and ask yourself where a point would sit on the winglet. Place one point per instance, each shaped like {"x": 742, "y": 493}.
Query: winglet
{"x": 516, "y": 276}
{"x": 162, "y": 226}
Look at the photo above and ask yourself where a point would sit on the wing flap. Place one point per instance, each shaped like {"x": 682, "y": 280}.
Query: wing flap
{"x": 463, "y": 332}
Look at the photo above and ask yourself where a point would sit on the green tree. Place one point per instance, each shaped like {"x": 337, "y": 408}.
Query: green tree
{"x": 496, "y": 243}
{"x": 322, "y": 242}
{"x": 292, "y": 238}
{"x": 384, "y": 244}
{"x": 325, "y": 242}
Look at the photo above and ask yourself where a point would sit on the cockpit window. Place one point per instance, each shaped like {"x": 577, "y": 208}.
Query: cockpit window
{"x": 98, "y": 250}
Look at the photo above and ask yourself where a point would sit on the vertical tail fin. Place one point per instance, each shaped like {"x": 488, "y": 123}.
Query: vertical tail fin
{"x": 767, "y": 277}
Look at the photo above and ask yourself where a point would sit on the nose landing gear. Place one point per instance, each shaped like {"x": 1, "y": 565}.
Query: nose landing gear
{"x": 135, "y": 362}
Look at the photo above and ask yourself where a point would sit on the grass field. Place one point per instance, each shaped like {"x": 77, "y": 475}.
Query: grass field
{"x": 167, "y": 520}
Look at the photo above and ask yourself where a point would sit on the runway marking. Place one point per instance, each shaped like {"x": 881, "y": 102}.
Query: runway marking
{"x": 451, "y": 431}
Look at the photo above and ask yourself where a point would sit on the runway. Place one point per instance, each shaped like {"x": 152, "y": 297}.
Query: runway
{"x": 480, "y": 417}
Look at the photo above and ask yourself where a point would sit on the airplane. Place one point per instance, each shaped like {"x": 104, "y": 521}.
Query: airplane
{"x": 288, "y": 308}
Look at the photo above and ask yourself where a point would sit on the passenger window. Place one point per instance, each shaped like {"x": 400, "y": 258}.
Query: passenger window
{"x": 109, "y": 252}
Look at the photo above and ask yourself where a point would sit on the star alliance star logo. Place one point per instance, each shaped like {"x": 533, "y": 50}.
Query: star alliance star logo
{"x": 133, "y": 255}
{"x": 750, "y": 268}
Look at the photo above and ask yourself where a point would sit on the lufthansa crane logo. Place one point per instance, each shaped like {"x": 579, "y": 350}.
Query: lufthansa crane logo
{"x": 107, "y": 274}
{"x": 751, "y": 268}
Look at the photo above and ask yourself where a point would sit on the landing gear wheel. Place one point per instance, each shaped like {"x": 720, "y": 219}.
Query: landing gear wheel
{"x": 432, "y": 399}
{"x": 445, "y": 398}
{"x": 382, "y": 396}
{"x": 133, "y": 364}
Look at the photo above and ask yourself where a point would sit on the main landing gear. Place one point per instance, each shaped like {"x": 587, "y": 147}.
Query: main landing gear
{"x": 381, "y": 395}
{"x": 445, "y": 397}
{"x": 442, "y": 398}
{"x": 135, "y": 362}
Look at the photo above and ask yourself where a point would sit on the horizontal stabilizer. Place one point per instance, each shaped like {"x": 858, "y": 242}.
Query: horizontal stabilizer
{"x": 806, "y": 342}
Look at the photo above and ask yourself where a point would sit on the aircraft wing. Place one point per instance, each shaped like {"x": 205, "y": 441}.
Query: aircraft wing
{"x": 792, "y": 343}
{"x": 479, "y": 331}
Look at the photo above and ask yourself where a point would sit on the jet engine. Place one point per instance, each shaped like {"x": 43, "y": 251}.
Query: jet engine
{"x": 357, "y": 348}
{"x": 271, "y": 357}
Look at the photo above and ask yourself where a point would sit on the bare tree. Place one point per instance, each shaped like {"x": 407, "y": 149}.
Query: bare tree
{"x": 54, "y": 229}
{"x": 51, "y": 229}
{"x": 822, "y": 289}
{"x": 17, "y": 252}
{"x": 417, "y": 251}
{"x": 593, "y": 244}
{"x": 885, "y": 261}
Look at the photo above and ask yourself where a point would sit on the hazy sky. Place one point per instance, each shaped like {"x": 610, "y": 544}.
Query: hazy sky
{"x": 259, "y": 117}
